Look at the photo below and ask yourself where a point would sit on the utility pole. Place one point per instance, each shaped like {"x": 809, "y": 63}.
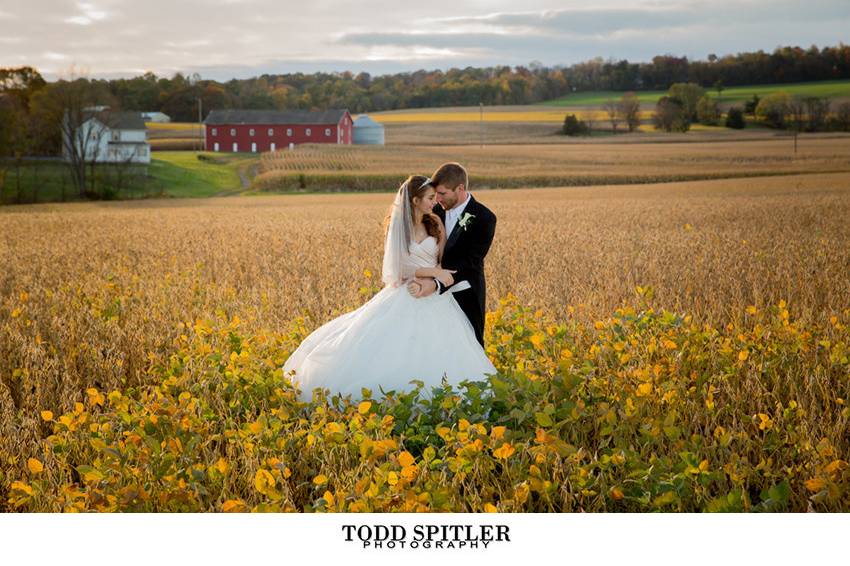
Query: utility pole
{"x": 200, "y": 125}
{"x": 481, "y": 123}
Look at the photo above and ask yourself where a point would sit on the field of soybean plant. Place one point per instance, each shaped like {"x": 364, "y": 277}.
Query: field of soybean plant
{"x": 677, "y": 347}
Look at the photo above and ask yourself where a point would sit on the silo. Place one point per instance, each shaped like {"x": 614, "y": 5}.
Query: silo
{"x": 367, "y": 131}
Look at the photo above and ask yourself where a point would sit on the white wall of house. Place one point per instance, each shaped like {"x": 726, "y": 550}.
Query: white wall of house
{"x": 105, "y": 145}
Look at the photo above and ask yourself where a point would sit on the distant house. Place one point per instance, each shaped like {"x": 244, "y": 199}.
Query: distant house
{"x": 270, "y": 130}
{"x": 158, "y": 117}
{"x": 108, "y": 136}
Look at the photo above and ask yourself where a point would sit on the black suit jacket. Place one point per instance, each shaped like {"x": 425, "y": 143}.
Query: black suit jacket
{"x": 465, "y": 251}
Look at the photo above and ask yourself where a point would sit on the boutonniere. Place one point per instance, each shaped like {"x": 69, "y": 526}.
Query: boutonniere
{"x": 465, "y": 220}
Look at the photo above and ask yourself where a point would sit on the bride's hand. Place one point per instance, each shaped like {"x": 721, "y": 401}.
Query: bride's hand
{"x": 414, "y": 287}
{"x": 445, "y": 277}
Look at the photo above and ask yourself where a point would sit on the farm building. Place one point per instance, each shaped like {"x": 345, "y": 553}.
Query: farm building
{"x": 367, "y": 131}
{"x": 159, "y": 117}
{"x": 270, "y": 130}
{"x": 109, "y": 136}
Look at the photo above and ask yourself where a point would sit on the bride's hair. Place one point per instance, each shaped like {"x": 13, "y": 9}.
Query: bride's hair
{"x": 417, "y": 186}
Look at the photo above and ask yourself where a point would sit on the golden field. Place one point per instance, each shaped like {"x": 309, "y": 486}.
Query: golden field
{"x": 676, "y": 346}
{"x": 323, "y": 167}
{"x": 541, "y": 115}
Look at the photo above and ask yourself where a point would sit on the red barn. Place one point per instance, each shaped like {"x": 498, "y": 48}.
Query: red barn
{"x": 269, "y": 130}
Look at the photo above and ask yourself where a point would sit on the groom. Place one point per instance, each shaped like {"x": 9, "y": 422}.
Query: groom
{"x": 470, "y": 227}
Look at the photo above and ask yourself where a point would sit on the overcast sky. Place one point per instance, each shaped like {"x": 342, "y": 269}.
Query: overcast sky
{"x": 223, "y": 39}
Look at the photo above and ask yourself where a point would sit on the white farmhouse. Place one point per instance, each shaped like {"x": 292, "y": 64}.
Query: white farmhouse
{"x": 108, "y": 136}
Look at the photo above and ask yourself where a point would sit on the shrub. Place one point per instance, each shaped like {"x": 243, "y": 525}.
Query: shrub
{"x": 575, "y": 127}
{"x": 707, "y": 111}
{"x": 751, "y": 105}
{"x": 735, "y": 119}
{"x": 670, "y": 115}
{"x": 689, "y": 95}
{"x": 773, "y": 109}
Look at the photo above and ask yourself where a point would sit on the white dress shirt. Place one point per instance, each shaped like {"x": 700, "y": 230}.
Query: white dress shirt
{"x": 454, "y": 214}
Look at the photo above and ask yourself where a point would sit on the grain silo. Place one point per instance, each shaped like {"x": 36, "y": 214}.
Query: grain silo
{"x": 367, "y": 131}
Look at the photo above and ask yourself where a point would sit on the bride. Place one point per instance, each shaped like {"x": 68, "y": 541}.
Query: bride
{"x": 394, "y": 337}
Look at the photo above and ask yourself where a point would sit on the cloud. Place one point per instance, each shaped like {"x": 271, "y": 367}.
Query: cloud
{"x": 241, "y": 38}
{"x": 89, "y": 14}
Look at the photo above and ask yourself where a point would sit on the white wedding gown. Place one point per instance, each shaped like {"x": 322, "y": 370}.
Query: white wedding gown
{"x": 390, "y": 340}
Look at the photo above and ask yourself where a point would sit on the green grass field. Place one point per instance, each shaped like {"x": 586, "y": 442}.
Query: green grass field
{"x": 730, "y": 95}
{"x": 170, "y": 173}
{"x": 184, "y": 175}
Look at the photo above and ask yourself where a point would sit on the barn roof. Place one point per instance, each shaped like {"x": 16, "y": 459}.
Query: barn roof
{"x": 274, "y": 117}
{"x": 117, "y": 120}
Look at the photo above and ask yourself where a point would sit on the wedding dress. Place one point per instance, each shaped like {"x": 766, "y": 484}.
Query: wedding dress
{"x": 394, "y": 337}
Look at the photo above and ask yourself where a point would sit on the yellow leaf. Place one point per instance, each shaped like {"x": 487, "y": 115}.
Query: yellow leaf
{"x": 392, "y": 478}
{"x": 406, "y": 459}
{"x": 815, "y": 484}
{"x": 669, "y": 344}
{"x": 743, "y": 355}
{"x": 47, "y": 415}
{"x": 35, "y": 466}
{"x": 234, "y": 506}
{"x": 321, "y": 479}
{"x": 497, "y": 432}
{"x": 835, "y": 466}
{"x": 329, "y": 498}
{"x": 364, "y": 407}
{"x": 490, "y": 508}
{"x": 221, "y": 465}
{"x": 409, "y": 472}
{"x": 264, "y": 482}
{"x": 504, "y": 451}
{"x": 21, "y": 486}
{"x": 644, "y": 389}
{"x": 537, "y": 339}
{"x": 617, "y": 493}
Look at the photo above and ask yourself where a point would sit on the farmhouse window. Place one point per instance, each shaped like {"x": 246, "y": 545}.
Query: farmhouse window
{"x": 215, "y": 131}
{"x": 271, "y": 131}
{"x": 327, "y": 131}
{"x": 288, "y": 131}
{"x": 309, "y": 133}
{"x": 251, "y": 132}
{"x": 232, "y": 131}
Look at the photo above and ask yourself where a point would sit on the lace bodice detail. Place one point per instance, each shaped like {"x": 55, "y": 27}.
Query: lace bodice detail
{"x": 422, "y": 254}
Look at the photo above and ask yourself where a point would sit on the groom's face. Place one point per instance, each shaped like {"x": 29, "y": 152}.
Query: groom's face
{"x": 447, "y": 197}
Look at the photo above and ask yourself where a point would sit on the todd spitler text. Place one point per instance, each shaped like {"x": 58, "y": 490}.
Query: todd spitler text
{"x": 426, "y": 536}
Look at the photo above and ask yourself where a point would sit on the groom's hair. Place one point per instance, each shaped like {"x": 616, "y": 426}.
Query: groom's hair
{"x": 451, "y": 175}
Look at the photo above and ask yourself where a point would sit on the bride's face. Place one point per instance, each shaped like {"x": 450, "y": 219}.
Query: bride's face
{"x": 425, "y": 204}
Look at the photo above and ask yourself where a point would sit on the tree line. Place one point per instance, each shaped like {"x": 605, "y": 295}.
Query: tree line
{"x": 178, "y": 95}
{"x": 687, "y": 103}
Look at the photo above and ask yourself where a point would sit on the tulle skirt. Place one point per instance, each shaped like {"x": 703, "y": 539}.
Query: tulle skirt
{"x": 387, "y": 342}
